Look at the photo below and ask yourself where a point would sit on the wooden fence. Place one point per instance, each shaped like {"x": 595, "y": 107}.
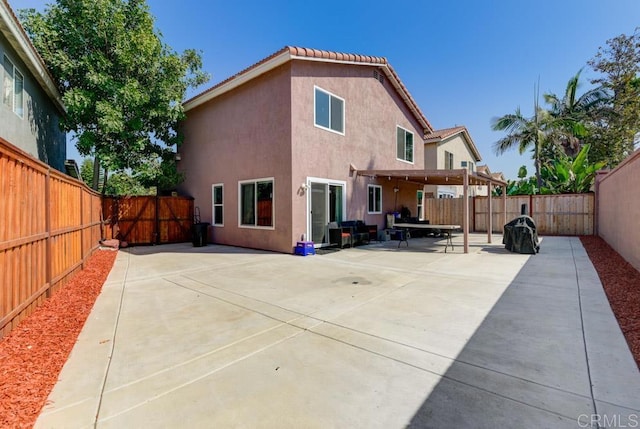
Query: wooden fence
{"x": 567, "y": 214}
{"x": 148, "y": 219}
{"x": 49, "y": 226}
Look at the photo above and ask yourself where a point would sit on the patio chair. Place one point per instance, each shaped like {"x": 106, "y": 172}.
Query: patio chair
{"x": 339, "y": 236}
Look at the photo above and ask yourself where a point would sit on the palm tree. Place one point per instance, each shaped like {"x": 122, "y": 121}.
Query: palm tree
{"x": 524, "y": 133}
{"x": 571, "y": 112}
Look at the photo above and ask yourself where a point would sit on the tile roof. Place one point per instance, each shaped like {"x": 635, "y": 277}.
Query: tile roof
{"x": 444, "y": 133}
{"x": 336, "y": 56}
{"x": 437, "y": 136}
{"x": 289, "y": 53}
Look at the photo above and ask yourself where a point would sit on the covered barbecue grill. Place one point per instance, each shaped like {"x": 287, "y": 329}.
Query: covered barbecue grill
{"x": 520, "y": 235}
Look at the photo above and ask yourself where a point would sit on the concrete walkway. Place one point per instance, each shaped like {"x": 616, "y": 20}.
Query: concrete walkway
{"x": 371, "y": 337}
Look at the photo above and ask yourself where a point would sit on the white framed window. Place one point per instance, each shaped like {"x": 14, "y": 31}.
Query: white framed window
{"x": 404, "y": 144}
{"x": 256, "y": 208}
{"x": 329, "y": 111}
{"x": 217, "y": 198}
{"x": 420, "y": 196}
{"x": 469, "y": 165}
{"x": 448, "y": 160}
{"x": 374, "y": 202}
{"x": 13, "y": 88}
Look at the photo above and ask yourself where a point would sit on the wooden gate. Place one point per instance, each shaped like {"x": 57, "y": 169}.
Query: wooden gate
{"x": 149, "y": 219}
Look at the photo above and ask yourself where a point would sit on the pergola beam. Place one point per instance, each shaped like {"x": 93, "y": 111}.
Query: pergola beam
{"x": 448, "y": 177}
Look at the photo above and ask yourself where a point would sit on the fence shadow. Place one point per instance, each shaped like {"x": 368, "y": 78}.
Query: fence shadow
{"x": 525, "y": 365}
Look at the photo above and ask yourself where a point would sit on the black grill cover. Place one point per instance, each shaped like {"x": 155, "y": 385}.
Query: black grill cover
{"x": 520, "y": 235}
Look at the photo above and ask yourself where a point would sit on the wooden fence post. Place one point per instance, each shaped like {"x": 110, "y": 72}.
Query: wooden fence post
{"x": 83, "y": 229}
{"x": 47, "y": 221}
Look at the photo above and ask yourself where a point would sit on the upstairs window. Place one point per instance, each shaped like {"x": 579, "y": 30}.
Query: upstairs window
{"x": 404, "y": 144}
{"x": 448, "y": 160}
{"x": 329, "y": 111}
{"x": 13, "y": 88}
{"x": 468, "y": 165}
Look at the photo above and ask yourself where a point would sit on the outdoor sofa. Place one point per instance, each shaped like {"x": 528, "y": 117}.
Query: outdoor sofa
{"x": 352, "y": 233}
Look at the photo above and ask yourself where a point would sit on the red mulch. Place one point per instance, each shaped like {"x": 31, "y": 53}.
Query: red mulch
{"x": 621, "y": 282}
{"x": 32, "y": 355}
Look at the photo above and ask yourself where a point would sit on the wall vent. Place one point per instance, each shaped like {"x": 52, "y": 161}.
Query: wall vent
{"x": 378, "y": 76}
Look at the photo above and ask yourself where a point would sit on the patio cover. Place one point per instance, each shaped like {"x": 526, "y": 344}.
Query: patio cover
{"x": 450, "y": 177}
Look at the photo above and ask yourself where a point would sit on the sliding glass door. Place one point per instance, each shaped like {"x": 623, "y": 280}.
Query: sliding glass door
{"x": 327, "y": 200}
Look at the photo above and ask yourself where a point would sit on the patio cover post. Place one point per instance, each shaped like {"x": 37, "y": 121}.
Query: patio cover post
{"x": 490, "y": 214}
{"x": 465, "y": 219}
{"x": 504, "y": 205}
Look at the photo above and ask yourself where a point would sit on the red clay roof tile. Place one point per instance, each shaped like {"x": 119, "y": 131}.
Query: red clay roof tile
{"x": 301, "y": 52}
{"x": 444, "y": 133}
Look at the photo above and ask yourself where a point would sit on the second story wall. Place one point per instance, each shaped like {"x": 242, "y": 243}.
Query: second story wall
{"x": 244, "y": 134}
{"x": 457, "y": 147}
{"x": 452, "y": 153}
{"x": 373, "y": 112}
{"x": 28, "y": 118}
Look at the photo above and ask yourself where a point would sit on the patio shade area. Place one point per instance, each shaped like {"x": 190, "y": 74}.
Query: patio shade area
{"x": 450, "y": 177}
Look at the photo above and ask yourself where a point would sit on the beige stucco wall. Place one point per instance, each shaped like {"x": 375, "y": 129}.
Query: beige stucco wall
{"x": 618, "y": 206}
{"x": 241, "y": 135}
{"x": 435, "y": 159}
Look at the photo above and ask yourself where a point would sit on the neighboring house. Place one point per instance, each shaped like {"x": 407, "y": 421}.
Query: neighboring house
{"x": 481, "y": 191}
{"x": 449, "y": 149}
{"x": 270, "y": 154}
{"x": 30, "y": 105}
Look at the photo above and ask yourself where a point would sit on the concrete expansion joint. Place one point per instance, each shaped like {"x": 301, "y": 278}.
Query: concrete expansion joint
{"x": 320, "y": 321}
{"x": 584, "y": 337}
{"x": 113, "y": 340}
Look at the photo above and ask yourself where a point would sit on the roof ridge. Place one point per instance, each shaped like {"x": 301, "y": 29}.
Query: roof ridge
{"x": 296, "y": 52}
{"x": 334, "y": 55}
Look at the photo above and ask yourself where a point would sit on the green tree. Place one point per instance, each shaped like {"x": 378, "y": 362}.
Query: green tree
{"x": 619, "y": 66}
{"x": 122, "y": 86}
{"x": 524, "y": 133}
{"x": 86, "y": 170}
{"x": 566, "y": 175}
{"x": 123, "y": 183}
{"x": 572, "y": 115}
{"x": 522, "y": 186}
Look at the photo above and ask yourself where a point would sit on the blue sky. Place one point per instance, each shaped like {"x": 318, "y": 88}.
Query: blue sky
{"x": 464, "y": 62}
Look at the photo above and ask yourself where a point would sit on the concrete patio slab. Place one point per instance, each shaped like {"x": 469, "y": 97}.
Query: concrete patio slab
{"x": 373, "y": 336}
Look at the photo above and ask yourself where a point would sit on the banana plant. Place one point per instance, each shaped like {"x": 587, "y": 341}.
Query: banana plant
{"x": 566, "y": 175}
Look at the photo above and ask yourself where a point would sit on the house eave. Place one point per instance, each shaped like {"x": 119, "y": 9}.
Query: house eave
{"x": 469, "y": 141}
{"x": 290, "y": 53}
{"x": 239, "y": 80}
{"x": 19, "y": 41}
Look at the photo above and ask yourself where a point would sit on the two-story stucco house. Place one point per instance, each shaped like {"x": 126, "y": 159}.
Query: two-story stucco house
{"x": 270, "y": 154}
{"x": 30, "y": 104}
{"x": 450, "y": 149}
